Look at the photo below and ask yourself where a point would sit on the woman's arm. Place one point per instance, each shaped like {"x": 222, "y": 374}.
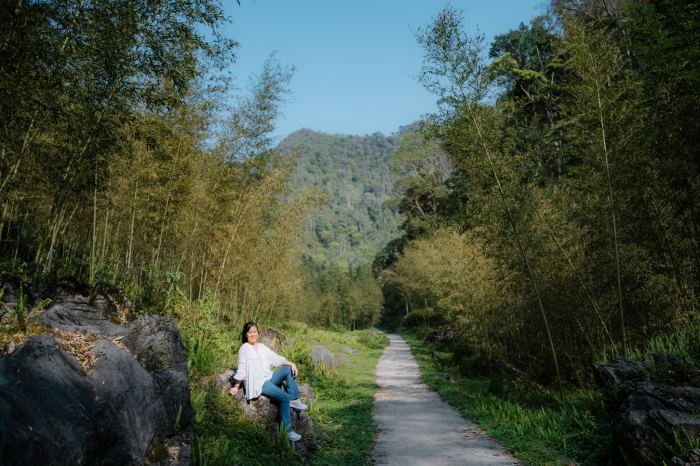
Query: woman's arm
{"x": 240, "y": 371}
{"x": 295, "y": 371}
{"x": 277, "y": 360}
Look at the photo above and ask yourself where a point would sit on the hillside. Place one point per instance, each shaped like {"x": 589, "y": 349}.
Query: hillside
{"x": 355, "y": 172}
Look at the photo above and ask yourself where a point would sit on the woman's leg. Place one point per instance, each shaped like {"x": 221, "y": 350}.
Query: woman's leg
{"x": 273, "y": 392}
{"x": 284, "y": 374}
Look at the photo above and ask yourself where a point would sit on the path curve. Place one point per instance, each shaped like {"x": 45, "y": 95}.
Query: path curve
{"x": 415, "y": 427}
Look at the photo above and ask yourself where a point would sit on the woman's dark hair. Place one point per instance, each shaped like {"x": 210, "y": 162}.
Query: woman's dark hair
{"x": 247, "y": 326}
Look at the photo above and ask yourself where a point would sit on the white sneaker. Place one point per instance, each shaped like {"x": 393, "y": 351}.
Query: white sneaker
{"x": 293, "y": 436}
{"x": 297, "y": 404}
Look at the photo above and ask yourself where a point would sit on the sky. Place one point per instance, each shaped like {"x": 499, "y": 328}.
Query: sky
{"x": 356, "y": 61}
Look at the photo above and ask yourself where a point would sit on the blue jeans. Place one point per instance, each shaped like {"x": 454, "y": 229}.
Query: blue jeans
{"x": 271, "y": 389}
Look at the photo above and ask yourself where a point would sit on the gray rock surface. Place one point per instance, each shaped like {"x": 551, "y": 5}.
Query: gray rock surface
{"x": 653, "y": 405}
{"x": 415, "y": 427}
{"x": 651, "y": 416}
{"x": 692, "y": 458}
{"x": 322, "y": 356}
{"x": 348, "y": 350}
{"x": 130, "y": 401}
{"x": 274, "y": 339}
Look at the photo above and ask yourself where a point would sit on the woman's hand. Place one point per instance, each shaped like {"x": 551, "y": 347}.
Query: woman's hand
{"x": 233, "y": 390}
{"x": 295, "y": 371}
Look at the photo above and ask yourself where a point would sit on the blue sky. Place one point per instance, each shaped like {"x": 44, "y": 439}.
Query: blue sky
{"x": 356, "y": 61}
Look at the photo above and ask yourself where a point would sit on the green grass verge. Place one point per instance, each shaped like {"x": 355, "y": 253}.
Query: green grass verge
{"x": 344, "y": 407}
{"x": 533, "y": 424}
{"x": 342, "y": 410}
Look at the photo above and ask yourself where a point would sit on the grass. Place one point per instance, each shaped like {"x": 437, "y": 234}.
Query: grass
{"x": 342, "y": 411}
{"x": 534, "y": 424}
{"x": 344, "y": 406}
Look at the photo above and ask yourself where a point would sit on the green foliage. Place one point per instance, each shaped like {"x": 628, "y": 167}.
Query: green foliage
{"x": 15, "y": 319}
{"x": 354, "y": 175}
{"x": 571, "y": 186}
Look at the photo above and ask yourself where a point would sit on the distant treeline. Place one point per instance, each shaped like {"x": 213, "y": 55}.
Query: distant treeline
{"x": 552, "y": 201}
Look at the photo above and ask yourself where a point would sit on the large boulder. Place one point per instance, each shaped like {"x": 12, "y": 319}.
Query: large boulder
{"x": 654, "y": 418}
{"x": 655, "y": 408}
{"x": 94, "y": 389}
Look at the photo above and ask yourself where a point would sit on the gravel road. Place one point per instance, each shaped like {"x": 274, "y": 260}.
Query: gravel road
{"x": 415, "y": 427}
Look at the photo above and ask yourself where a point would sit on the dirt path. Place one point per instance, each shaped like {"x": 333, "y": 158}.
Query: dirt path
{"x": 415, "y": 427}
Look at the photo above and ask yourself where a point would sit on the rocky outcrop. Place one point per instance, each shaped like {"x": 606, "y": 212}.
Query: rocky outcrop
{"x": 321, "y": 356}
{"x": 656, "y": 408}
{"x": 274, "y": 339}
{"x": 95, "y": 389}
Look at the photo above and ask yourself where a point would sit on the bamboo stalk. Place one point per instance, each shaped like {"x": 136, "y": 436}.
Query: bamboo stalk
{"x": 482, "y": 140}
{"x": 612, "y": 211}
{"x": 94, "y": 231}
{"x": 131, "y": 229}
{"x": 162, "y": 227}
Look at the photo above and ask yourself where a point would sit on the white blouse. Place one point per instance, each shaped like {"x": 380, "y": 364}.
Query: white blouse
{"x": 254, "y": 367}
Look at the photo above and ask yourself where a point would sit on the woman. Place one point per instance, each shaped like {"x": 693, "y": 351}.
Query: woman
{"x": 254, "y": 361}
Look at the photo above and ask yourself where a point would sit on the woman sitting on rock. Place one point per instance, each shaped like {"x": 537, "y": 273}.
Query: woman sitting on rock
{"x": 254, "y": 362}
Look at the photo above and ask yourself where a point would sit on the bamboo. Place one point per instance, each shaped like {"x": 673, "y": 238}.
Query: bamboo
{"x": 94, "y": 231}
{"x": 612, "y": 212}
{"x": 589, "y": 295}
{"x": 131, "y": 229}
{"x": 511, "y": 221}
{"x": 160, "y": 236}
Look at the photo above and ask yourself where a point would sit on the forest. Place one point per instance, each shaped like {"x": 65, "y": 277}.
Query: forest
{"x": 552, "y": 201}
{"x": 545, "y": 217}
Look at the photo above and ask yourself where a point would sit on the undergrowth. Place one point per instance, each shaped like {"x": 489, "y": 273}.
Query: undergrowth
{"x": 342, "y": 411}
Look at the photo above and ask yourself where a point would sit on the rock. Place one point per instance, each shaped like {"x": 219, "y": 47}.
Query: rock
{"x": 651, "y": 413}
{"x": 224, "y": 380}
{"x": 660, "y": 368}
{"x": 274, "y": 339}
{"x": 690, "y": 459}
{"x": 307, "y": 394}
{"x": 348, "y": 350}
{"x": 442, "y": 334}
{"x": 129, "y": 405}
{"x": 610, "y": 375}
{"x": 86, "y": 310}
{"x": 320, "y": 355}
{"x": 264, "y": 411}
{"x": 343, "y": 358}
{"x": 156, "y": 343}
{"x": 652, "y": 416}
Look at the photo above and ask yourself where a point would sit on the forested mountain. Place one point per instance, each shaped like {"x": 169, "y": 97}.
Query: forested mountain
{"x": 354, "y": 177}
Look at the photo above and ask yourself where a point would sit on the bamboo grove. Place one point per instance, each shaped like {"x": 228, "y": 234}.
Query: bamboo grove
{"x": 564, "y": 226}
{"x": 120, "y": 163}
